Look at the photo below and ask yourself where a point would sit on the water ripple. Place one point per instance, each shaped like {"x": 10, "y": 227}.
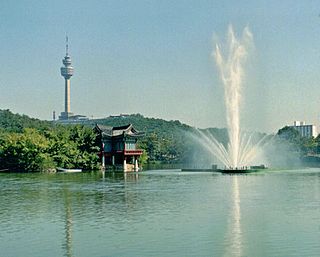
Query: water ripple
{"x": 160, "y": 214}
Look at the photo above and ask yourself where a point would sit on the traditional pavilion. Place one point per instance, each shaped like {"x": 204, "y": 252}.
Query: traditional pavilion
{"x": 119, "y": 147}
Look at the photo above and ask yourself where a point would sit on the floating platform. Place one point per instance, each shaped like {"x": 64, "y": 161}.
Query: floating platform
{"x": 226, "y": 171}
{"x": 242, "y": 170}
{"x": 238, "y": 171}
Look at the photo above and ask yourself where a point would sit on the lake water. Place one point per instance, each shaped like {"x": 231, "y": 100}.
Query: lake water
{"x": 160, "y": 213}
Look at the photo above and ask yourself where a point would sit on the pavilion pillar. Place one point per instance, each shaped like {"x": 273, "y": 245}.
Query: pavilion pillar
{"x": 113, "y": 160}
{"x": 103, "y": 161}
{"x": 135, "y": 160}
{"x": 125, "y": 164}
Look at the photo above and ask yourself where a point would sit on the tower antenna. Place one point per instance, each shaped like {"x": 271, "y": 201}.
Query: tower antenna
{"x": 67, "y": 45}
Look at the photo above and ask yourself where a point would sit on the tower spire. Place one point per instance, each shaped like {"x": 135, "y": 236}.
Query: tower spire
{"x": 67, "y": 45}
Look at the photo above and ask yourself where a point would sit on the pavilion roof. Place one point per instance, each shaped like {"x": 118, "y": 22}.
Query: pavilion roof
{"x": 127, "y": 130}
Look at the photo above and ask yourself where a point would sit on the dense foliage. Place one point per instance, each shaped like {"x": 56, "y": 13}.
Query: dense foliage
{"x": 306, "y": 149}
{"x": 16, "y": 123}
{"x": 302, "y": 145}
{"x": 164, "y": 141}
{"x": 33, "y": 145}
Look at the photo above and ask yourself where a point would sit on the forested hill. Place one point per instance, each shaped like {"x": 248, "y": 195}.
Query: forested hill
{"x": 28, "y": 144}
{"x": 32, "y": 145}
{"x": 164, "y": 141}
{"x": 160, "y": 127}
{"x": 16, "y": 123}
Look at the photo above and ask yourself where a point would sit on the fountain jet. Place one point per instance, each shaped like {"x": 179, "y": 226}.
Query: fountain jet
{"x": 240, "y": 150}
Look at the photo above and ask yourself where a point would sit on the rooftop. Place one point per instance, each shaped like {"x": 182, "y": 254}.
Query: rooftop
{"x": 127, "y": 130}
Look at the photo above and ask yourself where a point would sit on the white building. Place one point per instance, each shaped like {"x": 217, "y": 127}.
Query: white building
{"x": 305, "y": 130}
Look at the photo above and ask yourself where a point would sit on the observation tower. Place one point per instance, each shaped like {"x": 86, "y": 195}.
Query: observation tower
{"x": 67, "y": 73}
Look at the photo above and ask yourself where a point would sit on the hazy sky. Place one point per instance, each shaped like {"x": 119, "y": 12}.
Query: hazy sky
{"x": 154, "y": 58}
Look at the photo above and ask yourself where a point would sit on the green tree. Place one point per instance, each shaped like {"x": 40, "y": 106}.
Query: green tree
{"x": 27, "y": 151}
{"x": 303, "y": 145}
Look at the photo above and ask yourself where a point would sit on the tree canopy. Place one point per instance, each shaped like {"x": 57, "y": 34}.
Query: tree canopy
{"x": 28, "y": 144}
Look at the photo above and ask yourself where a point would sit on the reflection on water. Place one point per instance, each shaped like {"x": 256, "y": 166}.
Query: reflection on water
{"x": 234, "y": 235}
{"x": 160, "y": 213}
{"x": 68, "y": 223}
{"x": 127, "y": 177}
{"x": 131, "y": 177}
{"x": 100, "y": 196}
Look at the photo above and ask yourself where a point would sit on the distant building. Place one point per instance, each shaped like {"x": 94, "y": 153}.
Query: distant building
{"x": 305, "y": 130}
{"x": 121, "y": 115}
{"x": 119, "y": 147}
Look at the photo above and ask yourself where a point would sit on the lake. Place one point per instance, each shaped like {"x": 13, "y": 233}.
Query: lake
{"x": 161, "y": 213}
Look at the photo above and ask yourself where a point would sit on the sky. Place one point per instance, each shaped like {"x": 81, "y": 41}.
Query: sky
{"x": 155, "y": 58}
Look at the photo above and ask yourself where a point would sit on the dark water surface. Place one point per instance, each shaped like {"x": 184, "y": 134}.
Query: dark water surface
{"x": 160, "y": 213}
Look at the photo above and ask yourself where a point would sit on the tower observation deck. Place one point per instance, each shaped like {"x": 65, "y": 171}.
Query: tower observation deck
{"x": 67, "y": 73}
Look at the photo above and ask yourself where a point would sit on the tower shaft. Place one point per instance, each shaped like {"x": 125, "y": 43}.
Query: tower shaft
{"x": 67, "y": 96}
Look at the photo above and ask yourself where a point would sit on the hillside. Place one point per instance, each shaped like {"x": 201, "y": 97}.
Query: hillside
{"x": 164, "y": 141}
{"x": 16, "y": 123}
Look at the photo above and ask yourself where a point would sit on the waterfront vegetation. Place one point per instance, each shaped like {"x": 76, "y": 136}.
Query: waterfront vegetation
{"x": 303, "y": 145}
{"x": 306, "y": 148}
{"x": 45, "y": 150}
{"x": 33, "y": 145}
{"x": 28, "y": 144}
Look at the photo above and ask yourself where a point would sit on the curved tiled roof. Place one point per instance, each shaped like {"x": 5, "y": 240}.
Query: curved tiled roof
{"x": 127, "y": 130}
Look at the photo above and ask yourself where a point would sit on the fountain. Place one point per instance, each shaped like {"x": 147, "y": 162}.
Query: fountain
{"x": 241, "y": 150}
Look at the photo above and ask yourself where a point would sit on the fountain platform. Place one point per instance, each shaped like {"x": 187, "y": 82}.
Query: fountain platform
{"x": 241, "y": 170}
{"x": 237, "y": 171}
